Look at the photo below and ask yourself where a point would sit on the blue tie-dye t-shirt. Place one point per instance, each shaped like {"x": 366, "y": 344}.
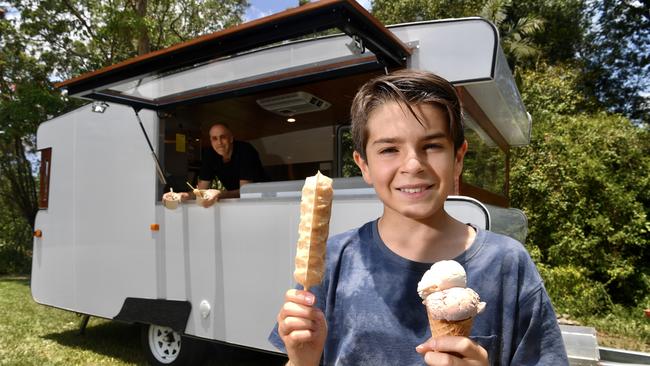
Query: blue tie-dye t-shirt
{"x": 375, "y": 316}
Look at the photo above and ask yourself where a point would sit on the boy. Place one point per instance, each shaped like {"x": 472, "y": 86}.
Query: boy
{"x": 409, "y": 145}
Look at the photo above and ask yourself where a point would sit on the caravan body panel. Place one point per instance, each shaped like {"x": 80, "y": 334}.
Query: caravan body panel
{"x": 96, "y": 246}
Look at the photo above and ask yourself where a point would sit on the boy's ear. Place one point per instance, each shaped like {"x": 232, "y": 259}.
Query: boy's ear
{"x": 460, "y": 157}
{"x": 361, "y": 163}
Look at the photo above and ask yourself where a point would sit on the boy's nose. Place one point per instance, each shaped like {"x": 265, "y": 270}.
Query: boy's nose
{"x": 412, "y": 164}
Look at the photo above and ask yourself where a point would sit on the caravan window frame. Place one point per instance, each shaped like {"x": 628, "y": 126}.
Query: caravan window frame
{"x": 44, "y": 178}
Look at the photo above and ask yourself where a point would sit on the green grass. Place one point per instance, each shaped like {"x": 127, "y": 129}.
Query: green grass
{"x": 34, "y": 334}
{"x": 622, "y": 328}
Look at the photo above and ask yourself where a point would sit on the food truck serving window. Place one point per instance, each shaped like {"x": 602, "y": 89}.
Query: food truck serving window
{"x": 215, "y": 65}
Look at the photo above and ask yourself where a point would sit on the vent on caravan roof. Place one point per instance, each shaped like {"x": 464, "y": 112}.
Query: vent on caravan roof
{"x": 293, "y": 103}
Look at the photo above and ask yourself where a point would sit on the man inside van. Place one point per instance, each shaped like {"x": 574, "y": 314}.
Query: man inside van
{"x": 235, "y": 163}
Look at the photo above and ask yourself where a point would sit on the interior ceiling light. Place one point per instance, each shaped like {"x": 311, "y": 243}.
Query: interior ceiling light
{"x": 291, "y": 120}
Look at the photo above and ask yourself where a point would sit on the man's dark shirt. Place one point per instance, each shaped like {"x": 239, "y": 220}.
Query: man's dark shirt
{"x": 244, "y": 164}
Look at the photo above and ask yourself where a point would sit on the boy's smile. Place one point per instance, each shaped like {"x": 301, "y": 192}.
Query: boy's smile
{"x": 412, "y": 166}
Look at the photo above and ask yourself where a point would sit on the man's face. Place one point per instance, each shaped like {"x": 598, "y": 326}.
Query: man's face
{"x": 221, "y": 140}
{"x": 412, "y": 167}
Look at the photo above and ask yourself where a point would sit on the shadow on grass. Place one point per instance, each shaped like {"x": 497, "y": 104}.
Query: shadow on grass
{"x": 122, "y": 341}
{"x": 224, "y": 355}
{"x": 23, "y": 280}
{"x": 118, "y": 340}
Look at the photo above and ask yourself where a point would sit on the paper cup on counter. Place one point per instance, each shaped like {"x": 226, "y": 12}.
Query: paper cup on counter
{"x": 200, "y": 195}
{"x": 173, "y": 202}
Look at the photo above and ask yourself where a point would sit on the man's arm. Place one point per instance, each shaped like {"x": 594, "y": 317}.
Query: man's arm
{"x": 235, "y": 192}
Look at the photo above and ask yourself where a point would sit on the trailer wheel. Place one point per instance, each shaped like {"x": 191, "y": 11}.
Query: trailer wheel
{"x": 164, "y": 346}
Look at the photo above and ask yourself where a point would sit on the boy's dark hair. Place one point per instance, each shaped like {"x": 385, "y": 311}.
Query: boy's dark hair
{"x": 409, "y": 88}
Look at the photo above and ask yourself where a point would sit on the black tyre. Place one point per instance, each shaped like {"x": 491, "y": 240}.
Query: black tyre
{"x": 164, "y": 346}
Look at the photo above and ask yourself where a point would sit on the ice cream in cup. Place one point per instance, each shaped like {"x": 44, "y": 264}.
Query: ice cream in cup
{"x": 201, "y": 195}
{"x": 451, "y": 306}
{"x": 172, "y": 200}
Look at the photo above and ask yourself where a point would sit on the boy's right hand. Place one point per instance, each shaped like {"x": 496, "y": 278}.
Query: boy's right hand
{"x": 302, "y": 328}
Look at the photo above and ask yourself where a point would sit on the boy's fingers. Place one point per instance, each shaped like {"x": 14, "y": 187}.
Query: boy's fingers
{"x": 294, "y": 324}
{"x": 461, "y": 347}
{"x": 298, "y": 314}
{"x": 300, "y": 297}
{"x": 439, "y": 358}
{"x": 300, "y": 336}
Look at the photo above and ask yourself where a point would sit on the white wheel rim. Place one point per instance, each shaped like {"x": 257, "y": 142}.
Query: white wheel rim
{"x": 164, "y": 343}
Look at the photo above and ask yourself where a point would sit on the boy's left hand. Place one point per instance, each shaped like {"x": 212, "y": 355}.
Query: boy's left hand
{"x": 452, "y": 350}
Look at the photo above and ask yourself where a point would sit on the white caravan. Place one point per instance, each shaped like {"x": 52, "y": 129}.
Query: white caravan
{"x": 104, "y": 244}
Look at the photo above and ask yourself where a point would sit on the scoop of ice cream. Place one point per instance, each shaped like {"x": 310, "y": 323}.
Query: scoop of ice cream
{"x": 441, "y": 276}
{"x": 454, "y": 304}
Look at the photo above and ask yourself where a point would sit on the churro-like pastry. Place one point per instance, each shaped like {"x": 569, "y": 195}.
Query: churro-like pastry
{"x": 315, "y": 210}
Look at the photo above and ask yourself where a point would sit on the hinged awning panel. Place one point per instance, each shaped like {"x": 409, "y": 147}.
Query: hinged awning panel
{"x": 161, "y": 79}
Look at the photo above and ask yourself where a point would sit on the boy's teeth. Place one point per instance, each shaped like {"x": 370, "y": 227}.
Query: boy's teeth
{"x": 411, "y": 190}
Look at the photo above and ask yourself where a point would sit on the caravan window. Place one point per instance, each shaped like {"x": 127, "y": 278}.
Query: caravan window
{"x": 44, "y": 178}
{"x": 485, "y": 162}
{"x": 293, "y": 129}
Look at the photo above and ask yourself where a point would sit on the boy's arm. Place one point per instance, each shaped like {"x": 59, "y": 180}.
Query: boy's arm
{"x": 539, "y": 339}
{"x": 302, "y": 328}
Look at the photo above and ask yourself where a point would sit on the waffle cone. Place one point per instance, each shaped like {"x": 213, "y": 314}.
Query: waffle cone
{"x": 440, "y": 327}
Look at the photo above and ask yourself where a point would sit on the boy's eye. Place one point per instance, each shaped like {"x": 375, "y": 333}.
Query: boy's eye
{"x": 432, "y": 146}
{"x": 388, "y": 150}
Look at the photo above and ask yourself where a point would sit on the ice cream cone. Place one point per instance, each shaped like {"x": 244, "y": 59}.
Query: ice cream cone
{"x": 441, "y": 327}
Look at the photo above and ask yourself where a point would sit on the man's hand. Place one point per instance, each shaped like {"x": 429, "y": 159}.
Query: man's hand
{"x": 302, "y": 328}
{"x": 210, "y": 196}
{"x": 452, "y": 351}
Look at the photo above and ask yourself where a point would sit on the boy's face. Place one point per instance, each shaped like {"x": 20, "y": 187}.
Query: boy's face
{"x": 412, "y": 167}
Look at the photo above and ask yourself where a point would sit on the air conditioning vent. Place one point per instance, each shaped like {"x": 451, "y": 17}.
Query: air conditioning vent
{"x": 291, "y": 104}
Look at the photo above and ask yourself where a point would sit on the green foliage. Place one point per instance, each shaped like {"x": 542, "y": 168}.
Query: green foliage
{"x": 60, "y": 39}
{"x": 77, "y": 36}
{"x": 584, "y": 185}
{"x": 616, "y": 57}
{"x": 564, "y": 27}
{"x": 574, "y": 292}
{"x": 350, "y": 168}
{"x": 622, "y": 327}
{"x": 550, "y": 90}
{"x": 402, "y": 11}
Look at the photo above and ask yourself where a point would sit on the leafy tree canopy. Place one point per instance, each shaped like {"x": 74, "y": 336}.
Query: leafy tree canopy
{"x": 84, "y": 35}
{"x": 616, "y": 54}
{"x": 584, "y": 185}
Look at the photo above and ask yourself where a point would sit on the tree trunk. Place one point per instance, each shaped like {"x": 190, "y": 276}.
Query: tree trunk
{"x": 144, "y": 44}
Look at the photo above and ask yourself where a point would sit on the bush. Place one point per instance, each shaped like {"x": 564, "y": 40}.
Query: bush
{"x": 584, "y": 184}
{"x": 14, "y": 260}
{"x": 15, "y": 242}
{"x": 573, "y": 292}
